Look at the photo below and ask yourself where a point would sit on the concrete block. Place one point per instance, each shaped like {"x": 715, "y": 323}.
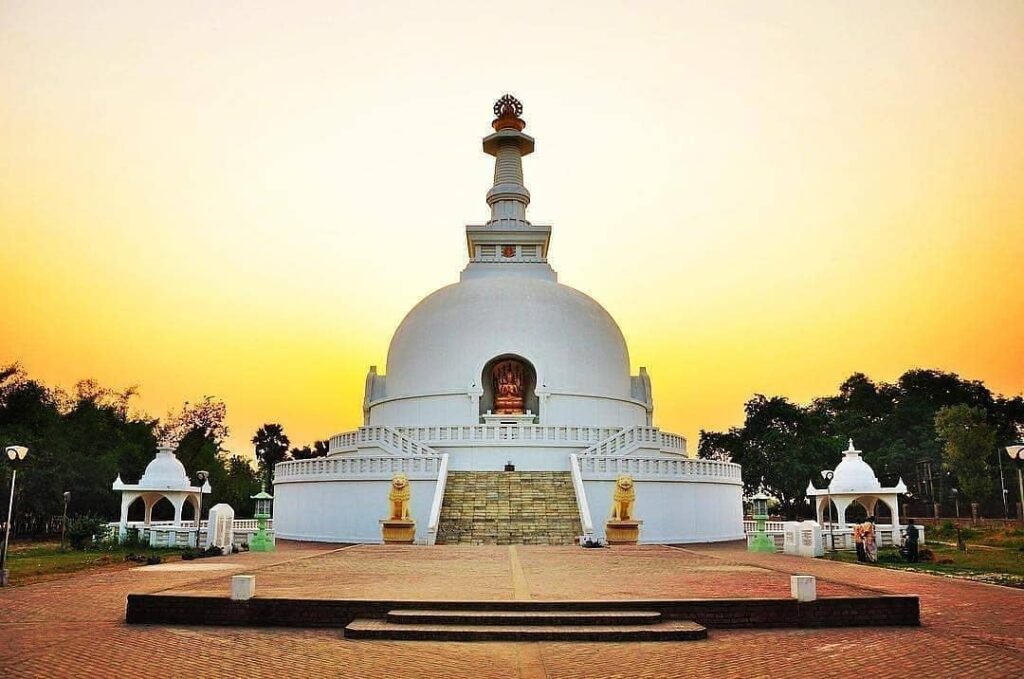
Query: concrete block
{"x": 243, "y": 587}
{"x": 803, "y": 587}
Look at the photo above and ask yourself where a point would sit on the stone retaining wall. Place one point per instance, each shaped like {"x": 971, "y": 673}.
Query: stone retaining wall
{"x": 713, "y": 613}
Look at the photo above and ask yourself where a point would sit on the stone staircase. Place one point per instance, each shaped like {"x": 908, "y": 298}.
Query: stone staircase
{"x": 506, "y": 508}
{"x": 519, "y": 624}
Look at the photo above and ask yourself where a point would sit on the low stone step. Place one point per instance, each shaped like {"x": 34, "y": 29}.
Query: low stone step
{"x": 670, "y": 630}
{"x": 534, "y": 618}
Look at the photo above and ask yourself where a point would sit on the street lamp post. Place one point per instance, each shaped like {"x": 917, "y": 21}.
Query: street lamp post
{"x": 64, "y": 520}
{"x": 16, "y": 454}
{"x": 827, "y": 474}
{"x": 202, "y": 475}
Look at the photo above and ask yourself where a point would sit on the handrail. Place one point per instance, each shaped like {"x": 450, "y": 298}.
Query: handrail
{"x": 664, "y": 467}
{"x": 435, "y": 506}
{"x": 504, "y": 433}
{"x": 357, "y": 465}
{"x": 581, "y": 495}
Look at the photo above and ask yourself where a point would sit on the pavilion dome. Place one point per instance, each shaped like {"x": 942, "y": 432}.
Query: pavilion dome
{"x": 853, "y": 474}
{"x": 165, "y": 471}
{"x": 573, "y": 344}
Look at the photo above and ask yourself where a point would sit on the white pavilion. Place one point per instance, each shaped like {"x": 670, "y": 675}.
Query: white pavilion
{"x": 164, "y": 478}
{"x": 507, "y": 368}
{"x": 854, "y": 482}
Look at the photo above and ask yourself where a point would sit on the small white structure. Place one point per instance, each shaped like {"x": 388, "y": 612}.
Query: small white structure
{"x": 791, "y": 537}
{"x": 810, "y": 542}
{"x": 803, "y": 587}
{"x": 164, "y": 478}
{"x": 854, "y": 481}
{"x": 243, "y": 587}
{"x": 220, "y": 527}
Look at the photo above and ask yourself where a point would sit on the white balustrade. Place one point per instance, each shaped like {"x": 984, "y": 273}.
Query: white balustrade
{"x": 435, "y": 505}
{"x": 381, "y": 466}
{"x": 632, "y": 438}
{"x": 385, "y": 437}
{"x": 581, "y": 495}
{"x": 653, "y": 468}
{"x": 500, "y": 433}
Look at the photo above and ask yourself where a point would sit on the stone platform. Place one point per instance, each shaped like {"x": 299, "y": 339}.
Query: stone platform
{"x": 74, "y": 626}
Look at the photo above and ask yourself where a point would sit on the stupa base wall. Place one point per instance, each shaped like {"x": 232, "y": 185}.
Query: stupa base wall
{"x": 343, "y": 498}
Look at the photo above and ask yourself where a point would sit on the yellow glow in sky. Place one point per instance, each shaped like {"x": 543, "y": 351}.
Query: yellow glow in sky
{"x": 244, "y": 199}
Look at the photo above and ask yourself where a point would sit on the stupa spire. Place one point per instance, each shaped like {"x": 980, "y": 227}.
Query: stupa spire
{"x": 508, "y": 197}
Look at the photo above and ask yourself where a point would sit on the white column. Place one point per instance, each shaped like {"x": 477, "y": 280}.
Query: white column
{"x": 126, "y": 502}
{"x": 178, "y": 501}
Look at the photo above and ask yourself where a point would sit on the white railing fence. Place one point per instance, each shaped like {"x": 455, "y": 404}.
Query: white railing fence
{"x": 358, "y": 465}
{"x": 385, "y": 437}
{"x": 484, "y": 433}
{"x": 683, "y": 468}
{"x": 438, "y": 501}
{"x": 885, "y": 534}
{"x": 632, "y": 438}
{"x": 581, "y": 495}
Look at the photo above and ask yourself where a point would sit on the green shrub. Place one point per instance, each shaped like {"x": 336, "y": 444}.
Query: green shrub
{"x": 82, "y": 530}
{"x": 131, "y": 537}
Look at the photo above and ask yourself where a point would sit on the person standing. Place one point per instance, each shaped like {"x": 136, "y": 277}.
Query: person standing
{"x": 858, "y": 541}
{"x": 911, "y": 542}
{"x": 870, "y": 546}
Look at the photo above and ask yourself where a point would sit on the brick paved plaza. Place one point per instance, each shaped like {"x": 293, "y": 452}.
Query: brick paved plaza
{"x": 75, "y": 626}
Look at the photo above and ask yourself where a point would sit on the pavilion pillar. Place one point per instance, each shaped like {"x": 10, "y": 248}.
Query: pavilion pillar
{"x": 148, "y": 501}
{"x": 179, "y": 502}
{"x": 126, "y": 501}
{"x": 894, "y": 507}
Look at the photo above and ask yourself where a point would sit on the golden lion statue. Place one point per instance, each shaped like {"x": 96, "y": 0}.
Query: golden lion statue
{"x": 399, "y": 497}
{"x": 623, "y": 499}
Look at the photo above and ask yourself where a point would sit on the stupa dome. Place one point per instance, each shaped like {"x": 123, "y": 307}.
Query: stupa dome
{"x": 165, "y": 472}
{"x": 573, "y": 344}
{"x": 853, "y": 474}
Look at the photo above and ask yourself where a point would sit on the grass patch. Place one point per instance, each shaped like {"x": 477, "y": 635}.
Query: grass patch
{"x": 1007, "y": 537}
{"x": 32, "y": 561}
{"x": 999, "y": 566}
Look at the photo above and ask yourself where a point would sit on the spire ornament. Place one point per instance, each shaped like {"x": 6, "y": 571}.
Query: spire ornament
{"x": 506, "y": 114}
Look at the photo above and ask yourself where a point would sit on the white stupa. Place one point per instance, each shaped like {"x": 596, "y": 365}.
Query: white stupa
{"x": 507, "y": 367}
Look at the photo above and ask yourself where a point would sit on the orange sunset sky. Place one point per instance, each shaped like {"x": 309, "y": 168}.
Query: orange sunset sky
{"x": 243, "y": 199}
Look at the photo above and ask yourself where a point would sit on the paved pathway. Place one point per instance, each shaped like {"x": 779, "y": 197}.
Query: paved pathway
{"x": 74, "y": 626}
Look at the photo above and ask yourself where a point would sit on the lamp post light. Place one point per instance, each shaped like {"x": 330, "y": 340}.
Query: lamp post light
{"x": 64, "y": 519}
{"x": 16, "y": 454}
{"x": 261, "y": 541}
{"x": 827, "y": 474}
{"x": 956, "y": 502}
{"x": 761, "y": 541}
{"x": 202, "y": 475}
{"x": 1017, "y": 453}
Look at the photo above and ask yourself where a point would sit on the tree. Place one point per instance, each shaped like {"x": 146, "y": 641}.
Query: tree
{"x": 781, "y": 446}
{"x": 208, "y": 416}
{"x": 968, "y": 440}
{"x": 271, "y": 447}
{"x": 319, "y": 449}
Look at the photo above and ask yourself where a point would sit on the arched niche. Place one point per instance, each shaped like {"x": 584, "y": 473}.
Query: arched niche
{"x": 490, "y": 384}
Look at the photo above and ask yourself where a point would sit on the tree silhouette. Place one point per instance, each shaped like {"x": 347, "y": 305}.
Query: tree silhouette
{"x": 271, "y": 447}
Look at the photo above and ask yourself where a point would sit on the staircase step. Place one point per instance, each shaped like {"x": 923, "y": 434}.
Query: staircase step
{"x": 670, "y": 630}
{"x": 509, "y": 508}
{"x": 531, "y": 618}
